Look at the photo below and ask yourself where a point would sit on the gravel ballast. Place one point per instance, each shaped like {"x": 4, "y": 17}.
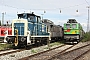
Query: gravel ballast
{"x": 19, "y": 55}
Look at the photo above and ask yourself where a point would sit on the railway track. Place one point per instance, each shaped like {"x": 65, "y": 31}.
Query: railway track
{"x": 5, "y": 50}
{"x": 73, "y": 54}
{"x": 9, "y": 51}
{"x": 48, "y": 54}
{"x": 1, "y": 40}
{"x": 52, "y": 54}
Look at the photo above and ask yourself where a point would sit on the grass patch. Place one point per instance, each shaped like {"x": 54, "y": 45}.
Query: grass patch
{"x": 46, "y": 48}
{"x": 55, "y": 43}
{"x": 33, "y": 51}
{"x": 5, "y": 46}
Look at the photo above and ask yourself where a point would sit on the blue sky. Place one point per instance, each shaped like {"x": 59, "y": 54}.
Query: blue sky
{"x": 52, "y": 7}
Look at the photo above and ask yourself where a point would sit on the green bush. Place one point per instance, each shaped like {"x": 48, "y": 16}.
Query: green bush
{"x": 86, "y": 37}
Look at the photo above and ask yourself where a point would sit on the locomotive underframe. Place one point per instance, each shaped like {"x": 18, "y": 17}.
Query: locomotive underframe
{"x": 71, "y": 37}
{"x": 22, "y": 40}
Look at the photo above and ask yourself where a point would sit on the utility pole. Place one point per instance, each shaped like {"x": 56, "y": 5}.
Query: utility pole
{"x": 42, "y": 16}
{"x": 2, "y": 19}
{"x": 88, "y": 19}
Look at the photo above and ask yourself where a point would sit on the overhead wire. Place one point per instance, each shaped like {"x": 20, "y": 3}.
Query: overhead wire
{"x": 45, "y": 8}
{"x": 87, "y": 2}
{"x": 72, "y": 6}
{"x": 11, "y": 6}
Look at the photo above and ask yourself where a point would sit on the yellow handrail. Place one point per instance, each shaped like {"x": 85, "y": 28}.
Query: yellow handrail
{"x": 16, "y": 38}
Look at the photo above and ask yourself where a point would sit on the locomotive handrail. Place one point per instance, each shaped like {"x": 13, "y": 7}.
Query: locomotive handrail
{"x": 16, "y": 39}
{"x": 6, "y": 34}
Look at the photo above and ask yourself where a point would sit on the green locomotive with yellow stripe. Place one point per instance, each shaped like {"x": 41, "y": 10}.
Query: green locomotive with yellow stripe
{"x": 73, "y": 31}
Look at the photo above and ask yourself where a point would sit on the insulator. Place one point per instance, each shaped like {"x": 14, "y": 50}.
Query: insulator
{"x": 7, "y": 22}
{"x": 76, "y": 10}
{"x": 44, "y": 11}
{"x": 60, "y": 11}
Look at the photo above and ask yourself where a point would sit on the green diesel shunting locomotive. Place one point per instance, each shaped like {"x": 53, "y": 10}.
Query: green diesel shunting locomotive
{"x": 73, "y": 31}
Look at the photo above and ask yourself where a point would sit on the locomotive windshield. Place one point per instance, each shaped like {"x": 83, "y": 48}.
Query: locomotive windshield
{"x": 30, "y": 17}
{"x": 73, "y": 25}
{"x": 67, "y": 25}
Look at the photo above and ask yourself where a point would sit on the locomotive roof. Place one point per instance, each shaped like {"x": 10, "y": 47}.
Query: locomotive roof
{"x": 29, "y": 14}
{"x": 72, "y": 21}
{"x": 47, "y": 21}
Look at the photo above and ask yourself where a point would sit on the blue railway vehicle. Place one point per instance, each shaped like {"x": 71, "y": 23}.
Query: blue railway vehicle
{"x": 28, "y": 29}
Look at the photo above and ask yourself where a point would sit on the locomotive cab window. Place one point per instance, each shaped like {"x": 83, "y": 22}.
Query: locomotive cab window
{"x": 30, "y": 17}
{"x": 68, "y": 26}
{"x": 74, "y": 26}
